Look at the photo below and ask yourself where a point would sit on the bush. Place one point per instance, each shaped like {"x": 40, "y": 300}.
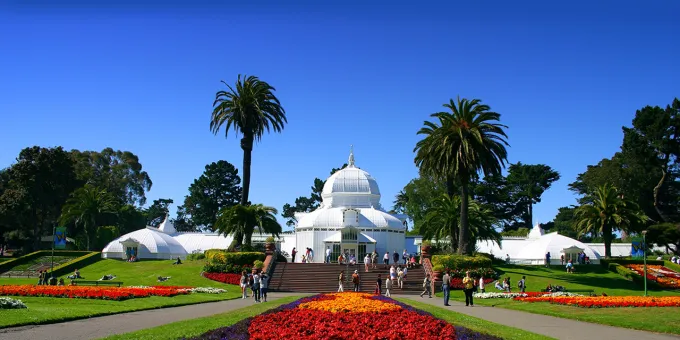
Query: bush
{"x": 226, "y": 268}
{"x": 461, "y": 261}
{"x": 269, "y": 239}
{"x": 195, "y": 256}
{"x": 258, "y": 264}
{"x": 220, "y": 256}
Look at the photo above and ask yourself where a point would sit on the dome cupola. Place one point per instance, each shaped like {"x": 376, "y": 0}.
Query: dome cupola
{"x": 351, "y": 187}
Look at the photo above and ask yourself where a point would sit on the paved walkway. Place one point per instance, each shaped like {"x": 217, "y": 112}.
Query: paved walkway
{"x": 551, "y": 326}
{"x": 102, "y": 326}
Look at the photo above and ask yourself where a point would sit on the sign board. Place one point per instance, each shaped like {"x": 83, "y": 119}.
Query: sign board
{"x": 60, "y": 238}
{"x": 637, "y": 248}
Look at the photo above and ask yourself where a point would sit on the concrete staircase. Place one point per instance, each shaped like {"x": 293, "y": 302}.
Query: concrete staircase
{"x": 323, "y": 278}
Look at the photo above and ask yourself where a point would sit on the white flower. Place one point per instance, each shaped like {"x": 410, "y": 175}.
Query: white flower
{"x": 208, "y": 290}
{"x": 9, "y": 303}
{"x": 556, "y": 294}
{"x": 498, "y": 295}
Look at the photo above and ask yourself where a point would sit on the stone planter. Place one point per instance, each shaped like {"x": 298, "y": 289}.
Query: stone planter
{"x": 270, "y": 247}
{"x": 425, "y": 251}
{"x": 438, "y": 275}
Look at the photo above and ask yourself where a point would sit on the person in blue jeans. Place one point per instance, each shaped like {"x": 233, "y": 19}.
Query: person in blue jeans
{"x": 446, "y": 287}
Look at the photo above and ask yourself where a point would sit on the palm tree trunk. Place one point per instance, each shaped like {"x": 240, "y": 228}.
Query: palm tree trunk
{"x": 236, "y": 242}
{"x": 463, "y": 234}
{"x": 531, "y": 215}
{"x": 450, "y": 187}
{"x": 247, "y": 146}
{"x": 248, "y": 239}
{"x": 607, "y": 236}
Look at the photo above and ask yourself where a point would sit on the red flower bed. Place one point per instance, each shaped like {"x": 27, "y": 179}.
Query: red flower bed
{"x": 86, "y": 292}
{"x": 608, "y": 301}
{"x": 229, "y": 278}
{"x": 663, "y": 276}
{"x": 304, "y": 324}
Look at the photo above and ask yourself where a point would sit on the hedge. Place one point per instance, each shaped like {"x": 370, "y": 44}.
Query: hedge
{"x": 606, "y": 262}
{"x": 7, "y": 265}
{"x": 630, "y": 275}
{"x": 460, "y": 261}
{"x": 80, "y": 262}
{"x": 220, "y": 256}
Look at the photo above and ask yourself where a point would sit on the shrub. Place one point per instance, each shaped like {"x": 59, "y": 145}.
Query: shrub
{"x": 461, "y": 261}
{"x": 426, "y": 244}
{"x": 438, "y": 268}
{"x": 226, "y": 268}
{"x": 220, "y": 256}
{"x": 195, "y": 256}
{"x": 258, "y": 264}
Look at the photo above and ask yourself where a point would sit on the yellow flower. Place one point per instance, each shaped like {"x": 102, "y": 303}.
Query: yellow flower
{"x": 350, "y": 302}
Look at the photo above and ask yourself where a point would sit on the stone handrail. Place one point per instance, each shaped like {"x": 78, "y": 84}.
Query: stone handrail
{"x": 427, "y": 265}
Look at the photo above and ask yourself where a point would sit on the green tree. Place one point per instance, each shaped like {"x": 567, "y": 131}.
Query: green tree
{"x": 130, "y": 218}
{"x": 86, "y": 207}
{"x": 665, "y": 234}
{"x": 564, "y": 223}
{"x": 183, "y": 222}
{"x": 417, "y": 198}
{"x": 608, "y": 211}
{"x": 118, "y": 172}
{"x": 307, "y": 204}
{"x": 250, "y": 108}
{"x": 217, "y": 188}
{"x": 245, "y": 220}
{"x": 529, "y": 183}
{"x": 157, "y": 212}
{"x": 461, "y": 143}
{"x": 442, "y": 221}
{"x": 36, "y": 187}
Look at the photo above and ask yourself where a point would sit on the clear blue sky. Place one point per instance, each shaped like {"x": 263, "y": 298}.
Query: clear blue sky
{"x": 143, "y": 77}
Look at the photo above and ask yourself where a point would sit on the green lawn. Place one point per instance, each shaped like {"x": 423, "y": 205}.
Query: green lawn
{"x": 43, "y": 310}
{"x": 476, "y": 324}
{"x": 587, "y": 277}
{"x": 198, "y": 326}
{"x": 37, "y": 263}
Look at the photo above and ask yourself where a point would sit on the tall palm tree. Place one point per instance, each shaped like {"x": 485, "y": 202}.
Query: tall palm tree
{"x": 85, "y": 207}
{"x": 442, "y": 221}
{"x": 462, "y": 142}
{"x": 608, "y": 211}
{"x": 245, "y": 220}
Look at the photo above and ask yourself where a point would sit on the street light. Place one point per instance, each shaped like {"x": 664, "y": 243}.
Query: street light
{"x": 644, "y": 257}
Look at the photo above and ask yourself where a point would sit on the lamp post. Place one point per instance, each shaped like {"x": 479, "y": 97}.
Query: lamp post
{"x": 644, "y": 257}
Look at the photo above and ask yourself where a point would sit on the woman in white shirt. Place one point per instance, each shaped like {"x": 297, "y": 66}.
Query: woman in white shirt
{"x": 244, "y": 285}
{"x": 481, "y": 284}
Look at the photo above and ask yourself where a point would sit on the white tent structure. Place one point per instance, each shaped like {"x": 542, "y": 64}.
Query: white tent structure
{"x": 557, "y": 245}
{"x": 147, "y": 243}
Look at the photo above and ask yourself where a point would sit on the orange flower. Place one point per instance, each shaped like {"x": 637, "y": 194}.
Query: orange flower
{"x": 608, "y": 301}
{"x": 663, "y": 276}
{"x": 349, "y": 302}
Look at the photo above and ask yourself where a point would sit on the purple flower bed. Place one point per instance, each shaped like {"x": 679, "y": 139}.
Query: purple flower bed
{"x": 239, "y": 330}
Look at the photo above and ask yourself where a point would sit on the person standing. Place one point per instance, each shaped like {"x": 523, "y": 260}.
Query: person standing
{"x": 310, "y": 258}
{"x": 400, "y": 279}
{"x": 378, "y": 285}
{"x": 264, "y": 284}
{"x": 256, "y": 287}
{"x": 386, "y": 259}
{"x": 244, "y": 285}
{"x": 374, "y": 258}
{"x": 367, "y": 262}
{"x": 395, "y": 257}
{"x": 562, "y": 260}
{"x": 356, "y": 280}
{"x": 292, "y": 254}
{"x": 404, "y": 257}
{"x": 328, "y": 255}
{"x": 547, "y": 259}
{"x": 468, "y": 287}
{"x": 522, "y": 284}
{"x": 446, "y": 285}
{"x": 481, "y": 284}
{"x": 341, "y": 278}
{"x": 427, "y": 286}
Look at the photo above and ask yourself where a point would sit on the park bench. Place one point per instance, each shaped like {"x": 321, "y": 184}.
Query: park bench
{"x": 97, "y": 283}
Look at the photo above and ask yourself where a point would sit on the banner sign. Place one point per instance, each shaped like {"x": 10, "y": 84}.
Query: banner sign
{"x": 60, "y": 238}
{"x": 637, "y": 248}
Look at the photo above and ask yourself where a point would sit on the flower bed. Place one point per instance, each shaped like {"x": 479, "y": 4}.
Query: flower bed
{"x": 663, "y": 276}
{"x": 228, "y": 278}
{"x": 457, "y": 283}
{"x": 206, "y": 290}
{"x": 343, "y": 316}
{"x": 607, "y": 301}
{"x": 86, "y": 292}
{"x": 9, "y": 303}
{"x": 501, "y": 295}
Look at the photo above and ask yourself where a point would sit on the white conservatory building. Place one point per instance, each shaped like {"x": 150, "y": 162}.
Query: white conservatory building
{"x": 350, "y": 220}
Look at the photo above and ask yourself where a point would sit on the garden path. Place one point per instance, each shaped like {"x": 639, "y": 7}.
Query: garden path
{"x": 551, "y": 326}
{"x": 102, "y": 326}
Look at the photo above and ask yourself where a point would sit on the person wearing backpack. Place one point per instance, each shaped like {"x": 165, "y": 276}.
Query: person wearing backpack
{"x": 427, "y": 286}
{"x": 522, "y": 284}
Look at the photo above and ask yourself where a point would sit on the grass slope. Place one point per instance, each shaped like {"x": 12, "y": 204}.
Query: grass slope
{"x": 43, "y": 310}
{"x": 587, "y": 277}
{"x": 198, "y": 326}
{"x": 476, "y": 324}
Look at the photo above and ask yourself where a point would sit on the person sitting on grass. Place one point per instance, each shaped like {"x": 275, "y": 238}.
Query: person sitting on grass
{"x": 549, "y": 289}
{"x": 498, "y": 285}
{"x": 107, "y": 277}
{"x": 163, "y": 278}
{"x": 570, "y": 267}
{"x": 179, "y": 261}
{"x": 61, "y": 282}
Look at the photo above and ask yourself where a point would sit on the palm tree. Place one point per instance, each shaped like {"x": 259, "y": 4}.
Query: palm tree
{"x": 86, "y": 206}
{"x": 245, "y": 220}
{"x": 442, "y": 221}
{"x": 250, "y": 108}
{"x": 607, "y": 211}
{"x": 463, "y": 142}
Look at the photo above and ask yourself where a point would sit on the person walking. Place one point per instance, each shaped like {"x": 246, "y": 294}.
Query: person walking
{"x": 378, "y": 285}
{"x": 481, "y": 284}
{"x": 468, "y": 287}
{"x": 400, "y": 279}
{"x": 388, "y": 286}
{"x": 427, "y": 286}
{"x": 256, "y": 287}
{"x": 310, "y": 258}
{"x": 547, "y": 259}
{"x": 446, "y": 286}
{"x": 386, "y": 259}
{"x": 292, "y": 254}
{"x": 328, "y": 255}
{"x": 395, "y": 257}
{"x": 374, "y": 258}
{"x": 356, "y": 280}
{"x": 341, "y": 278}
{"x": 244, "y": 285}
{"x": 522, "y": 284}
{"x": 367, "y": 262}
{"x": 404, "y": 256}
